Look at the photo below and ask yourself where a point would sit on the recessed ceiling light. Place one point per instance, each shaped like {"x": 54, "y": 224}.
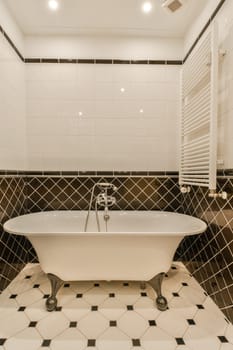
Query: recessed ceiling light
{"x": 80, "y": 114}
{"x": 53, "y": 5}
{"x": 147, "y": 7}
{"x": 141, "y": 110}
{"x": 122, "y": 89}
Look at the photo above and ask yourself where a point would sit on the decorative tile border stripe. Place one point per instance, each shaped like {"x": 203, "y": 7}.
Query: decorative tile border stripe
{"x": 204, "y": 29}
{"x": 114, "y": 61}
{"x": 3, "y": 172}
{"x": 101, "y": 61}
{"x": 87, "y": 173}
{"x": 11, "y": 44}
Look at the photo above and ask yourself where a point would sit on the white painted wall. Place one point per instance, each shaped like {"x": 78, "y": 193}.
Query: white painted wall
{"x": 225, "y": 113}
{"x": 103, "y": 47}
{"x": 12, "y": 100}
{"x": 111, "y": 134}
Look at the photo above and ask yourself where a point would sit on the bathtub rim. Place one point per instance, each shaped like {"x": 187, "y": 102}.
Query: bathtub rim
{"x": 69, "y": 234}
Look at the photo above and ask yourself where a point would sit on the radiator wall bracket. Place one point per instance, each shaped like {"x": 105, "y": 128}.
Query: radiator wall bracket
{"x": 185, "y": 189}
{"x": 214, "y": 194}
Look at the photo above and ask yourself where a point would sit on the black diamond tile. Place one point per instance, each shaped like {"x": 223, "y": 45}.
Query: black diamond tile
{"x": 223, "y": 339}
{"x": 58, "y": 308}
{"x": 94, "y": 308}
{"x": 2, "y": 341}
{"x": 91, "y": 342}
{"x": 46, "y": 296}
{"x": 21, "y": 308}
{"x": 136, "y": 342}
{"x": 129, "y": 307}
{"x": 184, "y": 284}
{"x": 27, "y": 277}
{"x": 180, "y": 341}
{"x": 143, "y": 294}
{"x": 96, "y": 284}
{"x": 66, "y": 285}
{"x": 199, "y": 306}
{"x": 79, "y": 295}
{"x": 125, "y": 284}
{"x": 191, "y": 321}
{"x": 46, "y": 342}
{"x": 32, "y": 324}
{"x": 13, "y": 296}
{"x": 152, "y": 323}
{"x": 73, "y": 324}
{"x": 111, "y": 295}
{"x": 112, "y": 323}
{"x": 175, "y": 294}
{"x": 174, "y": 268}
{"x": 36, "y": 286}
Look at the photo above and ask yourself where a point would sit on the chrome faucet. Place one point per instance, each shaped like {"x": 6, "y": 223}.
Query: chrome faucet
{"x": 103, "y": 200}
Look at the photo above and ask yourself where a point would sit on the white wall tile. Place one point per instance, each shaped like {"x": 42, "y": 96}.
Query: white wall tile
{"x": 12, "y": 109}
{"x": 111, "y": 129}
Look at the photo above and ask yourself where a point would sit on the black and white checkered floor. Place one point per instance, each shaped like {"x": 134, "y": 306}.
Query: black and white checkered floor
{"x": 111, "y": 316}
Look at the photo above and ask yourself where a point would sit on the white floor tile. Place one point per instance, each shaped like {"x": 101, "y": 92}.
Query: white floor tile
{"x": 150, "y": 328}
{"x": 156, "y": 337}
{"x": 114, "y": 339}
{"x": 204, "y": 319}
{"x": 184, "y": 307}
{"x": 12, "y": 324}
{"x": 28, "y": 339}
{"x": 52, "y": 325}
{"x": 196, "y": 338}
{"x": 93, "y": 325}
{"x": 76, "y": 309}
{"x": 193, "y": 295}
{"x": 226, "y": 346}
{"x": 146, "y": 308}
{"x": 95, "y": 296}
{"x": 70, "y": 336}
{"x": 37, "y": 311}
{"x": 229, "y": 333}
{"x": 172, "y": 323}
{"x": 29, "y": 297}
{"x": 112, "y": 308}
{"x": 132, "y": 324}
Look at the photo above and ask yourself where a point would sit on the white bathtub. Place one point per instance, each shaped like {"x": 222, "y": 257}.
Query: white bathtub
{"x": 139, "y": 245}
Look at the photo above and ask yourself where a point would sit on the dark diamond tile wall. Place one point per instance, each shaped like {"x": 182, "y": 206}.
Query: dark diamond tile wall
{"x": 73, "y": 193}
{"x": 209, "y": 256}
{"x": 22, "y": 194}
{"x": 13, "y": 249}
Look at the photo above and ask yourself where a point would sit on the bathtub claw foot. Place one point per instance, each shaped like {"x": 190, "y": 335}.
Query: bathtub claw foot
{"x": 56, "y": 283}
{"x": 156, "y": 284}
{"x": 51, "y": 304}
{"x": 161, "y": 303}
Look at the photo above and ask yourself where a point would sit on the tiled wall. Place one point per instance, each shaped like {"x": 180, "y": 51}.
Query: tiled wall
{"x": 98, "y": 116}
{"x": 28, "y": 193}
{"x": 12, "y": 108}
{"x": 209, "y": 256}
{"x": 14, "y": 249}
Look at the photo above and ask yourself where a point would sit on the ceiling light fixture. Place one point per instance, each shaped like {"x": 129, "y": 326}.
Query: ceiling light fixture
{"x": 53, "y": 5}
{"x": 146, "y": 7}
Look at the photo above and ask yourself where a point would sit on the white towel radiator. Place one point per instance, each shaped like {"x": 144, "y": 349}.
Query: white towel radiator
{"x": 198, "y": 153}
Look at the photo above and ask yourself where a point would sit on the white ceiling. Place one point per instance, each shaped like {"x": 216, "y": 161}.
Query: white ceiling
{"x": 103, "y": 17}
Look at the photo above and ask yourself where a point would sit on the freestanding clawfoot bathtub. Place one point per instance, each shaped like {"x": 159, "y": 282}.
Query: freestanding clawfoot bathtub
{"x": 139, "y": 245}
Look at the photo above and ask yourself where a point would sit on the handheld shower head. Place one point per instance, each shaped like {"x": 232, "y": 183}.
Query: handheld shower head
{"x": 106, "y": 186}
